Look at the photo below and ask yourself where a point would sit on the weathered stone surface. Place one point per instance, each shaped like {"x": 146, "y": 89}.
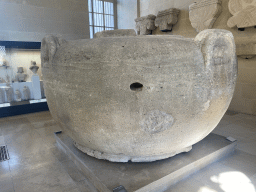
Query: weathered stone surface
{"x": 166, "y": 19}
{"x": 139, "y": 98}
{"x": 203, "y": 14}
{"x": 244, "y": 13}
{"x": 116, "y": 33}
{"x": 145, "y": 25}
{"x": 246, "y": 51}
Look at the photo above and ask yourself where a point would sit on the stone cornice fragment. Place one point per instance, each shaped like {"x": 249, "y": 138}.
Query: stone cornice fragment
{"x": 202, "y": 15}
{"x": 145, "y": 25}
{"x": 166, "y": 19}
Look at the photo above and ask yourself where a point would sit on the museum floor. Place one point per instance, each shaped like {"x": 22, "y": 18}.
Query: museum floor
{"x": 37, "y": 165}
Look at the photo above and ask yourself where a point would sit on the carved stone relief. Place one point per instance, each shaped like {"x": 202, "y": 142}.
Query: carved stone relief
{"x": 2, "y": 80}
{"x": 9, "y": 94}
{"x": 34, "y": 68}
{"x": 20, "y": 76}
{"x": 18, "y": 95}
{"x": 244, "y": 13}
{"x": 166, "y": 19}
{"x": 246, "y": 51}
{"x": 203, "y": 14}
{"x": 26, "y": 93}
{"x": 145, "y": 25}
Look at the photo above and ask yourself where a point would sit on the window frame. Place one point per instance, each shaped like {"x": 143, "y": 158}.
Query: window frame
{"x": 92, "y": 14}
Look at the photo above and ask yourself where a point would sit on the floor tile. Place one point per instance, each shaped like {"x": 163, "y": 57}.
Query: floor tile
{"x": 6, "y": 184}
{"x": 40, "y": 117}
{"x": 22, "y": 164}
{"x": 247, "y": 145}
{"x": 59, "y": 154}
{"x": 16, "y": 128}
{"x": 213, "y": 176}
{"x": 73, "y": 171}
{"x": 4, "y": 170}
{"x": 50, "y": 177}
{"x": 190, "y": 185}
{"x": 253, "y": 180}
{"x": 241, "y": 162}
{"x": 43, "y": 124}
{"x": 86, "y": 186}
{"x": 234, "y": 130}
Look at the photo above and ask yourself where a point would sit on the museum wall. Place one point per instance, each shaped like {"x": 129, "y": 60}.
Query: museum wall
{"x": 126, "y": 13}
{"x": 244, "y": 99}
{"x": 31, "y": 20}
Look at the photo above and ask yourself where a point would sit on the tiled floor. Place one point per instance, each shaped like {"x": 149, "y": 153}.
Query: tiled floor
{"x": 36, "y": 164}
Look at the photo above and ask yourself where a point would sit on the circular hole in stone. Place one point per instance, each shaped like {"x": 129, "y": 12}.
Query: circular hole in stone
{"x": 136, "y": 86}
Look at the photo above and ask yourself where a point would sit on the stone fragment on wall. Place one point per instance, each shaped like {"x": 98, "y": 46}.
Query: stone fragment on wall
{"x": 166, "y": 19}
{"x": 244, "y": 13}
{"x": 203, "y": 14}
{"x": 145, "y": 25}
{"x": 246, "y": 51}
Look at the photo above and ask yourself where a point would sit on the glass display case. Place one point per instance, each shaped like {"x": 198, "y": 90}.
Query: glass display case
{"x": 20, "y": 74}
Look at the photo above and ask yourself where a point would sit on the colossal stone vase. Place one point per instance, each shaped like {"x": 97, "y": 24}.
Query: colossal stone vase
{"x": 139, "y": 98}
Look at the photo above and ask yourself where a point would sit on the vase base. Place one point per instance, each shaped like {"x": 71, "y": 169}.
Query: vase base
{"x": 125, "y": 158}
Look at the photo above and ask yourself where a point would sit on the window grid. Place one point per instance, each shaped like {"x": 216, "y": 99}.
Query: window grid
{"x": 101, "y": 16}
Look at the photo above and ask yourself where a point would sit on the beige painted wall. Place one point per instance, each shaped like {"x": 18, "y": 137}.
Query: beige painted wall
{"x": 31, "y": 20}
{"x": 244, "y": 99}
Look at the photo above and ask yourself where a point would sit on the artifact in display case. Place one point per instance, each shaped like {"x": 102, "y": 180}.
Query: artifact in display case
{"x": 18, "y": 95}
{"x": 5, "y": 64}
{"x": 34, "y": 68}
{"x": 2, "y": 80}
{"x": 9, "y": 94}
{"x": 19, "y": 86}
{"x": 20, "y": 76}
{"x": 2, "y": 96}
{"x": 26, "y": 93}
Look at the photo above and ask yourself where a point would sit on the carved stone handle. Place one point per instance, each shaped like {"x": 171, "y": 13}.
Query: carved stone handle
{"x": 49, "y": 46}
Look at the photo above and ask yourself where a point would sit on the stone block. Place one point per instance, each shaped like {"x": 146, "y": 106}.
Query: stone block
{"x": 115, "y": 33}
{"x": 166, "y": 19}
{"x": 145, "y": 25}
{"x": 203, "y": 14}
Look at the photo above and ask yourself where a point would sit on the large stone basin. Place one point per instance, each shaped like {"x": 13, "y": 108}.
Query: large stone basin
{"x": 139, "y": 98}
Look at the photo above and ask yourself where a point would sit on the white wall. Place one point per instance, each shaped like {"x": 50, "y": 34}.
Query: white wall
{"x": 31, "y": 20}
{"x": 126, "y": 13}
